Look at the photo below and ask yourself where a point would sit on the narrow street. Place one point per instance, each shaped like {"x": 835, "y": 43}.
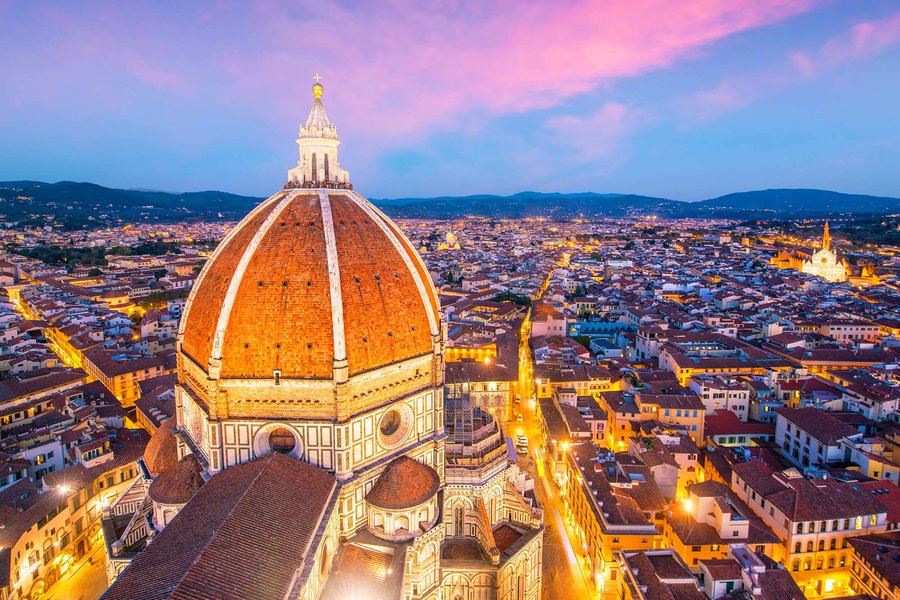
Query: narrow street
{"x": 85, "y": 581}
{"x": 564, "y": 575}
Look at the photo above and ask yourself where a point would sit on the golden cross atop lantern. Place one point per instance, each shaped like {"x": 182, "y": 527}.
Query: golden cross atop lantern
{"x": 317, "y": 88}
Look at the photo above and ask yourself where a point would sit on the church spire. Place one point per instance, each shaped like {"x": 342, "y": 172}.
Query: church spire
{"x": 318, "y": 141}
{"x": 826, "y": 237}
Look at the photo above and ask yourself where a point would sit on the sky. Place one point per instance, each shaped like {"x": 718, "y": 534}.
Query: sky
{"x": 687, "y": 100}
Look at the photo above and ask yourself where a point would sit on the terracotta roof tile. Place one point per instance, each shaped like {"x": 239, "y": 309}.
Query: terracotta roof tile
{"x": 404, "y": 483}
{"x": 286, "y": 286}
{"x": 162, "y": 450}
{"x": 243, "y": 535}
{"x": 178, "y": 483}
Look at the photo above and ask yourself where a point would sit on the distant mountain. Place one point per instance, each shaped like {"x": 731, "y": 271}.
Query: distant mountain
{"x": 778, "y": 203}
{"x": 798, "y": 202}
{"x": 493, "y": 198}
{"x": 75, "y": 205}
{"x": 524, "y": 205}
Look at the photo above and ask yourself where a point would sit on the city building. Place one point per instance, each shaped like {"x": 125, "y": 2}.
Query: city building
{"x": 814, "y": 516}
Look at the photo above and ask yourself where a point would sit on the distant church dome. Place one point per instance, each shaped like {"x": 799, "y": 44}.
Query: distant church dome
{"x": 314, "y": 284}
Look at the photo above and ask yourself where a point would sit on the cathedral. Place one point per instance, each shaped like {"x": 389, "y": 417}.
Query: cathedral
{"x": 824, "y": 262}
{"x": 313, "y": 453}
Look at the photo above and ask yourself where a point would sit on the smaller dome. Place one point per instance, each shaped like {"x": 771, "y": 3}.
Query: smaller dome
{"x": 178, "y": 483}
{"x": 405, "y": 483}
{"x": 162, "y": 449}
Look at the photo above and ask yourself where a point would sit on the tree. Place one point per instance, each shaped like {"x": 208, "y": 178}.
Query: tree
{"x": 95, "y": 273}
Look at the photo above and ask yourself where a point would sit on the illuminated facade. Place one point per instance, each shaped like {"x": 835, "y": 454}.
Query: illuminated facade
{"x": 824, "y": 262}
{"x": 814, "y": 517}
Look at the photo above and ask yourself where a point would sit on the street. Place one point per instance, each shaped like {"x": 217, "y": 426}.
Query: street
{"x": 86, "y": 580}
{"x": 564, "y": 576}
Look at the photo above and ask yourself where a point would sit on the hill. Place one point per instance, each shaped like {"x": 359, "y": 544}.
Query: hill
{"x": 761, "y": 204}
{"x": 74, "y": 205}
{"x": 78, "y": 204}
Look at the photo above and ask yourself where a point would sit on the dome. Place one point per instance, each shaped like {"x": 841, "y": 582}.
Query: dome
{"x": 404, "y": 483}
{"x": 162, "y": 449}
{"x": 178, "y": 483}
{"x": 312, "y": 280}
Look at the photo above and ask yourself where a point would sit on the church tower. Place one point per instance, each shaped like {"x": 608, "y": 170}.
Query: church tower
{"x": 318, "y": 140}
{"x": 826, "y": 237}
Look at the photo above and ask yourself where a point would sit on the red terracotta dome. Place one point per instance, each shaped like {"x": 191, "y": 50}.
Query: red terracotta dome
{"x": 162, "y": 449}
{"x": 178, "y": 483}
{"x": 308, "y": 278}
{"x": 404, "y": 483}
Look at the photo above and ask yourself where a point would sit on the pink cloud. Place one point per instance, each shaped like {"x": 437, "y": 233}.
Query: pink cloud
{"x": 394, "y": 71}
{"x": 601, "y": 134}
{"x": 417, "y": 71}
{"x": 862, "y": 41}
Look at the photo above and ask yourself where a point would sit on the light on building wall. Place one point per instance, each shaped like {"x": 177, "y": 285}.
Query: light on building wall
{"x": 688, "y": 505}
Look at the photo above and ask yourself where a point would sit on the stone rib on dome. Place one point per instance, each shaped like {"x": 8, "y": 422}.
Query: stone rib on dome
{"x": 404, "y": 483}
{"x": 265, "y": 300}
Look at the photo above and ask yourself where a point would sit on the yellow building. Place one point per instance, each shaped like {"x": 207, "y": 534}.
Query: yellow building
{"x": 874, "y": 567}
{"x": 815, "y": 518}
{"x": 685, "y": 411}
{"x": 55, "y": 527}
{"x": 711, "y": 517}
{"x": 606, "y": 518}
{"x": 122, "y": 373}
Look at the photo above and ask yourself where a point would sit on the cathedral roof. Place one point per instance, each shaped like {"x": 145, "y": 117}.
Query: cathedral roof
{"x": 310, "y": 277}
{"x": 244, "y": 534}
{"x": 162, "y": 449}
{"x": 404, "y": 483}
{"x": 178, "y": 483}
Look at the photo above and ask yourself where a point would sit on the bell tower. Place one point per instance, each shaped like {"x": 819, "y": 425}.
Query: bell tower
{"x": 826, "y": 237}
{"x": 318, "y": 142}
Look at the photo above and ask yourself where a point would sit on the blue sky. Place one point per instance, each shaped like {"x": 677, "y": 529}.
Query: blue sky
{"x": 686, "y": 100}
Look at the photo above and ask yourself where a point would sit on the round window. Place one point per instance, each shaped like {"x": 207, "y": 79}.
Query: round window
{"x": 281, "y": 440}
{"x": 390, "y": 423}
{"x": 394, "y": 426}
